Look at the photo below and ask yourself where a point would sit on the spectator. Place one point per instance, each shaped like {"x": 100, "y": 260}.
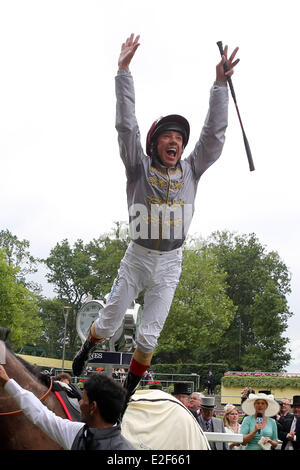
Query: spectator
{"x": 285, "y": 408}
{"x": 122, "y": 375}
{"x": 72, "y": 390}
{"x": 147, "y": 377}
{"x": 246, "y": 392}
{"x": 260, "y": 435}
{"x": 288, "y": 422}
{"x": 211, "y": 424}
{"x": 102, "y": 403}
{"x": 195, "y": 403}
{"x": 182, "y": 392}
{"x": 232, "y": 425}
{"x": 210, "y": 383}
{"x": 297, "y": 444}
{"x": 63, "y": 377}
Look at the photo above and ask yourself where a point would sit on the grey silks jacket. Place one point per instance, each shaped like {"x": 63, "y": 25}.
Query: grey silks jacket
{"x": 161, "y": 200}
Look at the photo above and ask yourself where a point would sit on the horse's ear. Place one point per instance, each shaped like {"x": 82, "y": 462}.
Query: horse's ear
{"x": 4, "y": 332}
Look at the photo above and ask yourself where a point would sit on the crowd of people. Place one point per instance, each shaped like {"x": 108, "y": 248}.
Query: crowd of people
{"x": 265, "y": 423}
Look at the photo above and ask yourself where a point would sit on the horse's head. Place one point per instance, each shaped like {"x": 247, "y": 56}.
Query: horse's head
{"x": 16, "y": 431}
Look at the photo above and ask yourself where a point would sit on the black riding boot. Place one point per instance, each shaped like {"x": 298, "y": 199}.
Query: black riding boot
{"x": 82, "y": 356}
{"x": 131, "y": 383}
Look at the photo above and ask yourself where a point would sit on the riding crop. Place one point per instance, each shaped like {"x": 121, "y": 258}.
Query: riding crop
{"x": 247, "y": 147}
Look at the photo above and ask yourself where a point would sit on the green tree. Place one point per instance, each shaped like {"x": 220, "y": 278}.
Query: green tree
{"x": 17, "y": 254}
{"x": 258, "y": 282}
{"x": 52, "y": 337}
{"x": 18, "y": 307}
{"x": 270, "y": 313}
{"x": 201, "y": 310}
{"x": 84, "y": 269}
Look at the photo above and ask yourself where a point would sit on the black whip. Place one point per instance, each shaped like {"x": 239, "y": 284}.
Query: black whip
{"x": 247, "y": 147}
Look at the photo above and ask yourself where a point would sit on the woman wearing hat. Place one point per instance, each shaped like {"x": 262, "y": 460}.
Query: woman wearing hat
{"x": 259, "y": 428}
{"x": 231, "y": 424}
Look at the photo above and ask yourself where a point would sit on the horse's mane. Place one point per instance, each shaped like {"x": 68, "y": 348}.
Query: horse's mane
{"x": 32, "y": 369}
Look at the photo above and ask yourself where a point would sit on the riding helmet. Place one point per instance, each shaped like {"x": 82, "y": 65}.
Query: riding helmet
{"x": 172, "y": 122}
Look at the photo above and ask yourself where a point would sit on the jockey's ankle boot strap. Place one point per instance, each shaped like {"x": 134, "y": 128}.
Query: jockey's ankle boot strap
{"x": 139, "y": 363}
{"x": 138, "y": 369}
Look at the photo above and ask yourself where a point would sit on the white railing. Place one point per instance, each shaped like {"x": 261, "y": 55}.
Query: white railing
{"x": 223, "y": 437}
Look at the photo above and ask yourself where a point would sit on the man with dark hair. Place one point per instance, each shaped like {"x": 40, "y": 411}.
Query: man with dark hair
{"x": 102, "y": 403}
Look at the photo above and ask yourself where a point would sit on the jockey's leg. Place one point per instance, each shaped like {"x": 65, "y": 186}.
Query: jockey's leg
{"x": 125, "y": 289}
{"x": 139, "y": 364}
{"x": 82, "y": 356}
{"x": 157, "y": 302}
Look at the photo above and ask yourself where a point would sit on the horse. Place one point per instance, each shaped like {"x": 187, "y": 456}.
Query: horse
{"x": 16, "y": 431}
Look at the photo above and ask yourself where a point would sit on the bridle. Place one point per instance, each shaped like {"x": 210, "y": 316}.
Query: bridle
{"x": 18, "y": 412}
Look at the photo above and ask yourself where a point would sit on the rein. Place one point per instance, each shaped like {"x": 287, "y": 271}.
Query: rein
{"x": 18, "y": 412}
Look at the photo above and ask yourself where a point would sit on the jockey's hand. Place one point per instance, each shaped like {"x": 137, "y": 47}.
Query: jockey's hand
{"x": 3, "y": 376}
{"x": 127, "y": 52}
{"x": 231, "y": 63}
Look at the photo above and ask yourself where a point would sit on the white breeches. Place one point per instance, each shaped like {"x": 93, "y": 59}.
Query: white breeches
{"x": 157, "y": 272}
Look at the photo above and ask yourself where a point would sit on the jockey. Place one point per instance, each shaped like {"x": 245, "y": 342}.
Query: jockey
{"x": 161, "y": 190}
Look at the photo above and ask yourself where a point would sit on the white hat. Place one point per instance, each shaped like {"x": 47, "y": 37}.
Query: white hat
{"x": 271, "y": 410}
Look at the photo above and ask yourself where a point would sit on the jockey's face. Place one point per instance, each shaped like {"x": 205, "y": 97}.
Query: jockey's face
{"x": 169, "y": 147}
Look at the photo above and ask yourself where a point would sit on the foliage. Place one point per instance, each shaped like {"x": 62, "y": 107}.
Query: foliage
{"x": 201, "y": 310}
{"x": 261, "y": 382}
{"x": 18, "y": 307}
{"x": 52, "y": 337}
{"x": 258, "y": 283}
{"x": 18, "y": 255}
{"x": 230, "y": 304}
{"x": 82, "y": 270}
